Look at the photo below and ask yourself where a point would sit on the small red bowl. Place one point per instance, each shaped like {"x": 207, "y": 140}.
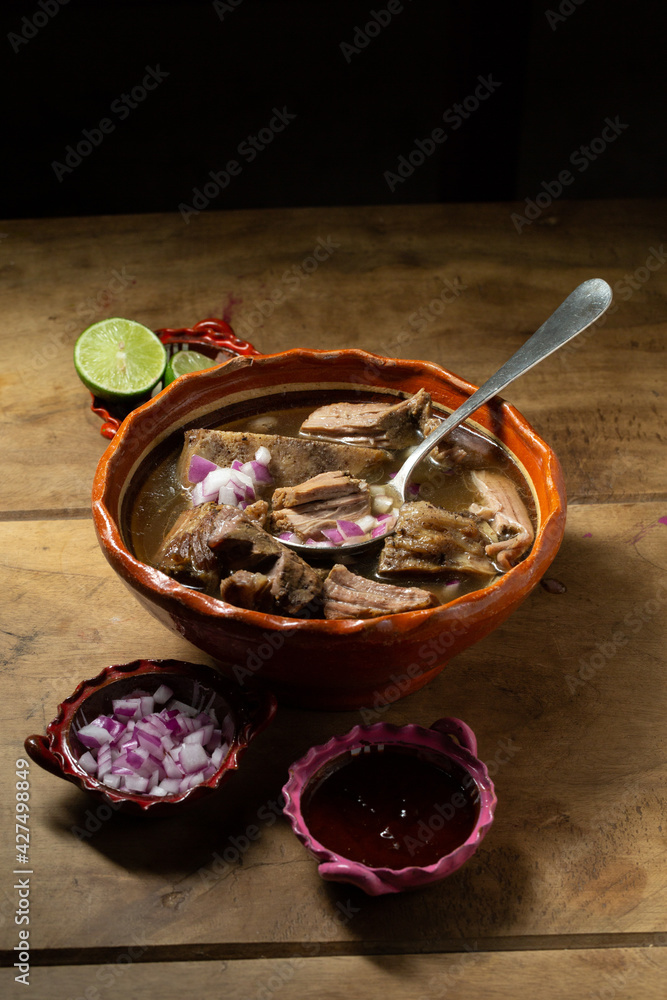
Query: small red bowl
{"x": 250, "y": 709}
{"x": 437, "y": 744}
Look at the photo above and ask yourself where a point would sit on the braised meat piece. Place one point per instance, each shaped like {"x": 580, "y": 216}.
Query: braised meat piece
{"x": 505, "y": 511}
{"x": 293, "y": 460}
{"x": 185, "y": 554}
{"x": 212, "y": 541}
{"x": 247, "y": 590}
{"x": 347, "y": 595}
{"x": 432, "y": 541}
{"x": 257, "y": 512}
{"x": 461, "y": 448}
{"x": 318, "y": 503}
{"x": 241, "y": 545}
{"x": 383, "y": 425}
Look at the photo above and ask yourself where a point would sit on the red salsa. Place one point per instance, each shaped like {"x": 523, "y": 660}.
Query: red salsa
{"x": 391, "y": 807}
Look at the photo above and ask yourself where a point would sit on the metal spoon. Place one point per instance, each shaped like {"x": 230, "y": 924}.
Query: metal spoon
{"x": 581, "y": 308}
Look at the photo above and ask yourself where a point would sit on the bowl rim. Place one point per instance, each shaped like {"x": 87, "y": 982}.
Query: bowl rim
{"x": 302, "y": 772}
{"x": 511, "y": 584}
{"x": 252, "y": 706}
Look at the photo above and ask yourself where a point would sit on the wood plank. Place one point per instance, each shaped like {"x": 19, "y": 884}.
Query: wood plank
{"x": 622, "y": 973}
{"x": 569, "y": 715}
{"x": 453, "y": 284}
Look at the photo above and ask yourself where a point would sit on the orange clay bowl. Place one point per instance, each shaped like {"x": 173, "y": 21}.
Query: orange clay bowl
{"x": 336, "y": 664}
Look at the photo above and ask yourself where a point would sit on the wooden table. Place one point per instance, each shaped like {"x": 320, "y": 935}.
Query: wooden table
{"x": 568, "y": 894}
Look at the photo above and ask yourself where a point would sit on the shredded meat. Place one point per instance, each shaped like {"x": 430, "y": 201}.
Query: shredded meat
{"x": 318, "y": 503}
{"x": 293, "y": 460}
{"x": 503, "y": 508}
{"x": 347, "y": 595}
{"x": 383, "y": 425}
{"x": 433, "y": 541}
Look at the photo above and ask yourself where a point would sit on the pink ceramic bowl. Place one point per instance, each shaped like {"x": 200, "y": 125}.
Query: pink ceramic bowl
{"x": 248, "y": 711}
{"x": 436, "y": 744}
{"x": 317, "y": 663}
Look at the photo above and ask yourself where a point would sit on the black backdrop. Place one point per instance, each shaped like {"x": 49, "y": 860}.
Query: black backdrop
{"x": 362, "y": 87}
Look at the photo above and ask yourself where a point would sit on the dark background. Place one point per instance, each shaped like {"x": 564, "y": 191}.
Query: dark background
{"x": 561, "y": 74}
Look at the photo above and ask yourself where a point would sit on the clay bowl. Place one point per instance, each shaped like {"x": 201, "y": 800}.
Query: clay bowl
{"x": 245, "y": 711}
{"x": 449, "y": 744}
{"x": 333, "y": 664}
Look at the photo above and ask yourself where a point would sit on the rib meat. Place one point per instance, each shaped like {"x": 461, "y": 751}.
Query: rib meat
{"x": 383, "y": 425}
{"x": 318, "y": 503}
{"x": 347, "y": 595}
{"x": 433, "y": 541}
{"x": 293, "y": 460}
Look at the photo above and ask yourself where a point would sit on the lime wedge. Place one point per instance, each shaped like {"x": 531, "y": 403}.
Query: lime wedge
{"x": 117, "y": 358}
{"x": 186, "y": 361}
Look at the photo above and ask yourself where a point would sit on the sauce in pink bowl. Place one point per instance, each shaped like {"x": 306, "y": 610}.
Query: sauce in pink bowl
{"x": 389, "y": 808}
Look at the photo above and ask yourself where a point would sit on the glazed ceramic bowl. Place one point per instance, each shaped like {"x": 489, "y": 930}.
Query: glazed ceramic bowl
{"x": 438, "y": 745}
{"x": 241, "y": 713}
{"x": 317, "y": 663}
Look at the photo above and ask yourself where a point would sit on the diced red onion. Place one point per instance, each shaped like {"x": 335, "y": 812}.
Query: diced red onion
{"x": 452, "y": 583}
{"x": 199, "y": 469}
{"x": 227, "y": 496}
{"x": 162, "y": 695}
{"x": 93, "y": 736}
{"x": 349, "y": 529}
{"x": 380, "y": 530}
{"x": 88, "y": 762}
{"x": 236, "y": 464}
{"x": 263, "y": 455}
{"x": 260, "y": 473}
{"x": 367, "y": 523}
{"x": 141, "y": 755}
{"x": 333, "y": 535}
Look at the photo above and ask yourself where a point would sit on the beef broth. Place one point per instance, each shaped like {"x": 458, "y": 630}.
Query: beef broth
{"x": 162, "y": 498}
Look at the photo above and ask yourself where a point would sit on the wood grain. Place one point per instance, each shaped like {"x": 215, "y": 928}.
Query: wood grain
{"x": 568, "y": 712}
{"x": 567, "y": 895}
{"x": 454, "y": 284}
{"x": 623, "y": 973}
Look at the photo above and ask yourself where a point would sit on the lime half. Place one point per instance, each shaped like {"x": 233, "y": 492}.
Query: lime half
{"x": 117, "y": 358}
{"x": 186, "y": 361}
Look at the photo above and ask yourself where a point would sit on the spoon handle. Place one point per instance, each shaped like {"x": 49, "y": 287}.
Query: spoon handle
{"x": 581, "y": 308}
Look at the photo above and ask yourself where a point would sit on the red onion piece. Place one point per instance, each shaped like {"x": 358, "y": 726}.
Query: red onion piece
{"x": 199, "y": 469}
{"x": 333, "y": 535}
{"x": 349, "y": 529}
